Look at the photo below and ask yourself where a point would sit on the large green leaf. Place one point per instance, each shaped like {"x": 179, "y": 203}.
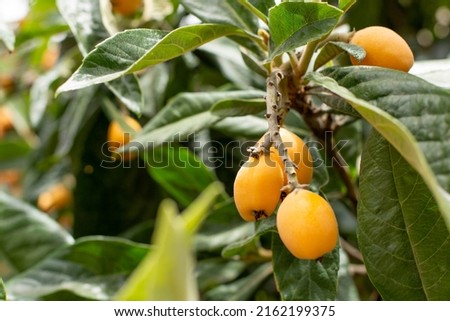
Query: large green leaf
{"x": 238, "y": 107}
{"x": 293, "y": 24}
{"x": 13, "y": 148}
{"x": 226, "y": 12}
{"x": 179, "y": 172}
{"x": 133, "y": 50}
{"x": 167, "y": 273}
{"x": 410, "y": 113}
{"x": 93, "y": 268}
{"x": 185, "y": 114}
{"x": 85, "y": 21}
{"x": 403, "y": 239}
{"x": 7, "y": 36}
{"x": 305, "y": 279}
{"x": 27, "y": 235}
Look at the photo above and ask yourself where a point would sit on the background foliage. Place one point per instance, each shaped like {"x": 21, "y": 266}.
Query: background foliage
{"x": 70, "y": 67}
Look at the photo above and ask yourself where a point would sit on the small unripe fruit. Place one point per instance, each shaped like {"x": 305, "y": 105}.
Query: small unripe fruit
{"x": 384, "y": 48}
{"x": 307, "y": 225}
{"x": 117, "y": 137}
{"x": 55, "y": 198}
{"x": 257, "y": 187}
{"x": 298, "y": 152}
{"x": 126, "y": 7}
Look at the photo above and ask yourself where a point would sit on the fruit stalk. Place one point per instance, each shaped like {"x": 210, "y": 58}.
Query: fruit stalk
{"x": 276, "y": 107}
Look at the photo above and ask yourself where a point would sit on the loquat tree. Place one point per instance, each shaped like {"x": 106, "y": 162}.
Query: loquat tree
{"x": 239, "y": 150}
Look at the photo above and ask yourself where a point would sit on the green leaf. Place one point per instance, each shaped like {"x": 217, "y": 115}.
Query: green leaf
{"x": 305, "y": 280}
{"x": 222, "y": 227}
{"x": 79, "y": 111}
{"x": 2, "y": 290}
{"x": 133, "y": 50}
{"x": 347, "y": 290}
{"x": 43, "y": 235}
{"x": 7, "y": 36}
{"x": 238, "y": 107}
{"x": 179, "y": 172}
{"x": 334, "y": 48}
{"x": 13, "y": 148}
{"x": 93, "y": 268}
{"x": 404, "y": 240}
{"x": 409, "y": 112}
{"x": 246, "y": 126}
{"x": 293, "y": 24}
{"x": 213, "y": 272}
{"x": 167, "y": 273}
{"x": 85, "y": 21}
{"x": 263, "y": 5}
{"x": 243, "y": 288}
{"x": 251, "y": 242}
{"x": 40, "y": 95}
{"x": 225, "y": 12}
{"x": 185, "y": 114}
{"x": 344, "y": 5}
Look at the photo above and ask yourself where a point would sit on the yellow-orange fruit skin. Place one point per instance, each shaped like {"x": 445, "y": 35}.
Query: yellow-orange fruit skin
{"x": 298, "y": 152}
{"x": 384, "y": 48}
{"x": 126, "y": 7}
{"x": 55, "y": 198}
{"x": 257, "y": 187}
{"x": 307, "y": 225}
{"x": 5, "y": 121}
{"x": 117, "y": 137}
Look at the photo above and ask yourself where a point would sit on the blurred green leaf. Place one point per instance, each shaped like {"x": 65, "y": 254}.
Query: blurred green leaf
{"x": 136, "y": 49}
{"x": 93, "y": 268}
{"x": 167, "y": 273}
{"x": 2, "y": 290}
{"x": 78, "y": 112}
{"x": 243, "y": 288}
{"x": 226, "y": 12}
{"x": 185, "y": 114}
{"x": 216, "y": 271}
{"x": 85, "y": 21}
{"x": 333, "y": 49}
{"x": 238, "y": 107}
{"x": 293, "y": 24}
{"x": 179, "y": 172}
{"x": 404, "y": 240}
{"x": 222, "y": 227}
{"x": 7, "y": 36}
{"x": 43, "y": 234}
{"x": 41, "y": 94}
{"x": 347, "y": 290}
{"x": 251, "y": 242}
{"x": 409, "y": 112}
{"x": 305, "y": 280}
{"x": 13, "y": 148}
{"x": 42, "y": 21}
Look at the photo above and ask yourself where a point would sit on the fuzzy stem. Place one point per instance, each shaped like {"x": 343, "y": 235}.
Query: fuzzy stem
{"x": 273, "y": 99}
{"x": 305, "y": 59}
